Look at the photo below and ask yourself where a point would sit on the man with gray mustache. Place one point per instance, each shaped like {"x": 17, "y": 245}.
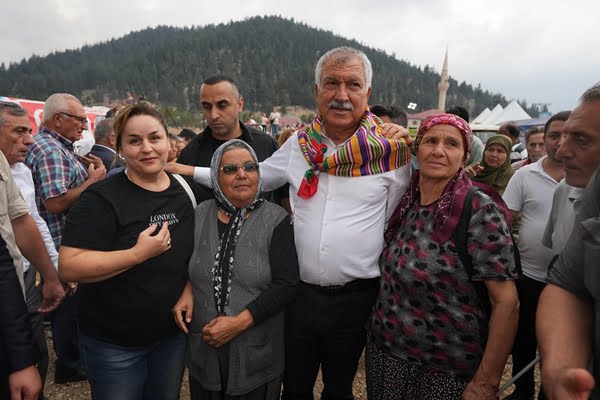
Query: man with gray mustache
{"x": 347, "y": 106}
{"x": 338, "y": 224}
{"x": 345, "y": 181}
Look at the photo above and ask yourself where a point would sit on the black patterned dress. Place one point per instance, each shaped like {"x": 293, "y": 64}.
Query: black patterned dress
{"x": 428, "y": 330}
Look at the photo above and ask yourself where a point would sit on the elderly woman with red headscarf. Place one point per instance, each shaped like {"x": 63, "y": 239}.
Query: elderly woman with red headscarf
{"x": 445, "y": 319}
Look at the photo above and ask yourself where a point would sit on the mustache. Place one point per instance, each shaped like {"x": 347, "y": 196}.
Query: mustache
{"x": 338, "y": 105}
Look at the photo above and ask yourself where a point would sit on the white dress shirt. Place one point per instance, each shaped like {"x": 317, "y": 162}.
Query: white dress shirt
{"x": 338, "y": 231}
{"x": 23, "y": 179}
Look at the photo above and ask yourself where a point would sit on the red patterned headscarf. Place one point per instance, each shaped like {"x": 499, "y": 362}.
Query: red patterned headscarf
{"x": 446, "y": 119}
{"x": 450, "y": 204}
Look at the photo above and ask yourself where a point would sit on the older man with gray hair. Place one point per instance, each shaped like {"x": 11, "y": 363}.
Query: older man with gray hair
{"x": 104, "y": 148}
{"x": 340, "y": 206}
{"x": 60, "y": 177}
{"x": 15, "y": 139}
{"x": 568, "y": 315}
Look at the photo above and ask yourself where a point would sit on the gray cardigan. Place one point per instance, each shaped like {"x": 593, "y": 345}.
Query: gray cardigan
{"x": 256, "y": 356}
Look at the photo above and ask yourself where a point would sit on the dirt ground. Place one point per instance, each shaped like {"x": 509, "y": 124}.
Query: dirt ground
{"x": 81, "y": 390}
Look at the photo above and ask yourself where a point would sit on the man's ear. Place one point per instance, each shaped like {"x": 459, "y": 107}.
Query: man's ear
{"x": 56, "y": 117}
{"x": 112, "y": 140}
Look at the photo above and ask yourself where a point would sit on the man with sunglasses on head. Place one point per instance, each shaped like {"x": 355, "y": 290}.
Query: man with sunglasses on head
{"x": 60, "y": 176}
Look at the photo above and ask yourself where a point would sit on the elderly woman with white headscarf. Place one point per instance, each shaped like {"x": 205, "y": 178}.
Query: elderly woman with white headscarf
{"x": 243, "y": 272}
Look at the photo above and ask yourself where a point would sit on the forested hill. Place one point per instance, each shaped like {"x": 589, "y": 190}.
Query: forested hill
{"x": 272, "y": 58}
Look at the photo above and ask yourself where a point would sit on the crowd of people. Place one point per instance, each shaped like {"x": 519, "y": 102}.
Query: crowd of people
{"x": 257, "y": 262}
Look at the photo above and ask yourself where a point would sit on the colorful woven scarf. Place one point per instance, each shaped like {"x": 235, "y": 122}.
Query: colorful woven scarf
{"x": 367, "y": 152}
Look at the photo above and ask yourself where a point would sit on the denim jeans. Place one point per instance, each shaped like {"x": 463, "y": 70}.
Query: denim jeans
{"x": 135, "y": 373}
{"x": 275, "y": 130}
{"x": 65, "y": 336}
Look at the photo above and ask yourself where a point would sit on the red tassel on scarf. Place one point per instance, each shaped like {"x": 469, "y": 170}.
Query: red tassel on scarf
{"x": 309, "y": 185}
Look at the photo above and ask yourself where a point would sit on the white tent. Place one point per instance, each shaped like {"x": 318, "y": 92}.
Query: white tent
{"x": 482, "y": 116}
{"x": 491, "y": 118}
{"x": 512, "y": 112}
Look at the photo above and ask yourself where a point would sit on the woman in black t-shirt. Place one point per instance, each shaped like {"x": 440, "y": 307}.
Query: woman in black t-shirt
{"x": 128, "y": 240}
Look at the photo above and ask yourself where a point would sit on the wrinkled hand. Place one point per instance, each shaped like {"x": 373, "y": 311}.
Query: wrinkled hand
{"x": 96, "y": 173}
{"x": 181, "y": 169}
{"x": 479, "y": 390}
{"x": 473, "y": 169}
{"x": 396, "y": 132}
{"x": 92, "y": 159}
{"x": 185, "y": 304}
{"x": 221, "y": 330}
{"x": 149, "y": 246}
{"x": 568, "y": 384}
{"x": 25, "y": 384}
{"x": 53, "y": 294}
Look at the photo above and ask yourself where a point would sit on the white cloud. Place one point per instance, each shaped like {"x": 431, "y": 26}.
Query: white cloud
{"x": 542, "y": 51}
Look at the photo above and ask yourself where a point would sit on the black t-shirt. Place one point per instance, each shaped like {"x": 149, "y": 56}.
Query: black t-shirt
{"x": 132, "y": 308}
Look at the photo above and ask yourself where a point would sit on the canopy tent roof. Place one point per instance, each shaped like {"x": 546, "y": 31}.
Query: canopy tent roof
{"x": 482, "y": 116}
{"x": 512, "y": 112}
{"x": 491, "y": 118}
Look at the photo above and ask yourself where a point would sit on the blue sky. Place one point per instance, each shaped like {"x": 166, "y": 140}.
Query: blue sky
{"x": 541, "y": 51}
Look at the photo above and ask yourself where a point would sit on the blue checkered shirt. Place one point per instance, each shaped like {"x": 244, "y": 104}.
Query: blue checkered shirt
{"x": 55, "y": 168}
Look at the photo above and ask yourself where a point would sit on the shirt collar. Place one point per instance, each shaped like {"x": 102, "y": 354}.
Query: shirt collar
{"x": 58, "y": 137}
{"x": 106, "y": 147}
{"x": 538, "y": 167}
{"x": 246, "y": 136}
{"x": 324, "y": 134}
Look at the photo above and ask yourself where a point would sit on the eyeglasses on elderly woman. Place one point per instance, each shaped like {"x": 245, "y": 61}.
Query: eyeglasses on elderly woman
{"x": 231, "y": 169}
